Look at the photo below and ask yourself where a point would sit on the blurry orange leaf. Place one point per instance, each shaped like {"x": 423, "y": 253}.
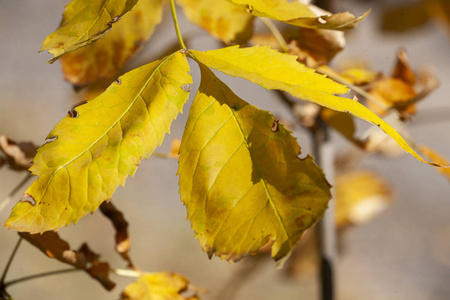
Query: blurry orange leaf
{"x": 158, "y": 286}
{"x": 54, "y": 247}
{"x": 106, "y": 57}
{"x": 343, "y": 123}
{"x": 121, "y": 227}
{"x": 175, "y": 148}
{"x": 220, "y": 18}
{"x": 18, "y": 155}
{"x": 437, "y": 158}
{"x": 360, "y": 196}
{"x": 409, "y": 15}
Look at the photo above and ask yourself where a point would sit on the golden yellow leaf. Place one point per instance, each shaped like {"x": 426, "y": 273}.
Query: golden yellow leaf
{"x": 274, "y": 70}
{"x": 158, "y": 286}
{"x": 298, "y": 14}
{"x": 83, "y": 23}
{"x": 106, "y": 57}
{"x": 360, "y": 76}
{"x": 359, "y": 196}
{"x": 100, "y": 143}
{"x": 241, "y": 179}
{"x": 220, "y": 18}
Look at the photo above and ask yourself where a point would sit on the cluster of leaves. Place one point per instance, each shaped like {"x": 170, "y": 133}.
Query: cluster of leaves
{"x": 240, "y": 175}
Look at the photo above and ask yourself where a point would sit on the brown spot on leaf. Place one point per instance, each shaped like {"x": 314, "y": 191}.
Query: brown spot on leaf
{"x": 118, "y": 81}
{"x": 50, "y": 139}
{"x": 186, "y": 87}
{"x": 73, "y": 113}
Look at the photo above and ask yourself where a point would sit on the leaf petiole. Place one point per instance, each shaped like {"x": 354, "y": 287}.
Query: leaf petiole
{"x": 40, "y": 275}
{"x": 11, "y": 257}
{"x": 175, "y": 23}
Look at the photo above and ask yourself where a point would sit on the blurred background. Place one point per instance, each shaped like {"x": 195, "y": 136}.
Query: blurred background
{"x": 403, "y": 253}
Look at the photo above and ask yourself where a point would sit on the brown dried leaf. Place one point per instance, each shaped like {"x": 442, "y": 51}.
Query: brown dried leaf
{"x": 403, "y": 17}
{"x": 120, "y": 225}
{"x": 18, "y": 155}
{"x": 437, "y": 158}
{"x": 53, "y": 246}
{"x": 359, "y": 197}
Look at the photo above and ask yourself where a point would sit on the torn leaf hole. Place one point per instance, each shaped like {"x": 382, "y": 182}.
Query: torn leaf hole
{"x": 28, "y": 198}
{"x": 118, "y": 81}
{"x": 186, "y": 87}
{"x": 51, "y": 139}
{"x": 275, "y": 126}
{"x": 73, "y": 113}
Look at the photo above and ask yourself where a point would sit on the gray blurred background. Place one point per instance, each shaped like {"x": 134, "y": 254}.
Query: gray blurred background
{"x": 402, "y": 254}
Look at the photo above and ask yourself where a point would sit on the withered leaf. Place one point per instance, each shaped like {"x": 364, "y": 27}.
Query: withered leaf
{"x": 121, "y": 226}
{"x": 84, "y": 258}
{"x": 18, "y": 155}
{"x": 437, "y": 158}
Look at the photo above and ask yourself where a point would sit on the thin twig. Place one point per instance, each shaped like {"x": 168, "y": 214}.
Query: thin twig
{"x": 8, "y": 264}
{"x": 40, "y": 275}
{"x": 9, "y": 197}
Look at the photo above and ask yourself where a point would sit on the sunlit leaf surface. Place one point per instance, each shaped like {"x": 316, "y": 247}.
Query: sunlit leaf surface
{"x": 241, "y": 179}
{"x": 85, "y": 22}
{"x": 106, "y": 57}
{"x": 274, "y": 70}
{"x": 100, "y": 143}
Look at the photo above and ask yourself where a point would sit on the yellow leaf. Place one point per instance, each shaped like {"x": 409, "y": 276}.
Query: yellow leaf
{"x": 437, "y": 158}
{"x": 83, "y": 23}
{"x": 298, "y": 14}
{"x": 220, "y": 18}
{"x": 360, "y": 76}
{"x": 158, "y": 286}
{"x": 100, "y": 143}
{"x": 274, "y": 70}
{"x": 241, "y": 179}
{"x": 106, "y": 57}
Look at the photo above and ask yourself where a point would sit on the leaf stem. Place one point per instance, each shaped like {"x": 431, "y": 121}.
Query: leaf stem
{"x": 126, "y": 273}
{"x": 8, "y": 198}
{"x": 175, "y": 23}
{"x": 40, "y": 275}
{"x": 276, "y": 33}
{"x": 11, "y": 257}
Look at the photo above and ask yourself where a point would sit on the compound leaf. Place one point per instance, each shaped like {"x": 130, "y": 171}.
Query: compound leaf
{"x": 106, "y": 57}
{"x": 158, "y": 286}
{"x": 222, "y": 19}
{"x": 299, "y": 14}
{"x": 241, "y": 178}
{"x": 274, "y": 70}
{"x": 83, "y": 23}
{"x": 100, "y": 143}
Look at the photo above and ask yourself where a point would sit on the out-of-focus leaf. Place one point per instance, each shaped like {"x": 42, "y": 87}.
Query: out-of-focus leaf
{"x": 54, "y": 247}
{"x": 440, "y": 9}
{"x": 360, "y": 76}
{"x": 274, "y": 70}
{"x": 175, "y": 148}
{"x": 158, "y": 286}
{"x": 18, "y": 155}
{"x": 220, "y": 18}
{"x": 343, "y": 123}
{"x": 437, "y": 158}
{"x": 121, "y": 226}
{"x": 359, "y": 196}
{"x": 83, "y": 23}
{"x": 106, "y": 57}
{"x": 298, "y": 14}
{"x": 241, "y": 179}
{"x": 402, "y": 69}
{"x": 403, "y": 17}
{"x": 100, "y": 143}
{"x": 313, "y": 47}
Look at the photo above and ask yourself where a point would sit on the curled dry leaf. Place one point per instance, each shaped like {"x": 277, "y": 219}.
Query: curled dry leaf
{"x": 359, "y": 197}
{"x": 18, "y": 155}
{"x": 54, "y": 247}
{"x": 106, "y": 58}
{"x": 437, "y": 158}
{"x": 159, "y": 286}
{"x": 121, "y": 226}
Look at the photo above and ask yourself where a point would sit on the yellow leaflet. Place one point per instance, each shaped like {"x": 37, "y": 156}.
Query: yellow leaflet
{"x": 241, "y": 179}
{"x": 83, "y": 23}
{"x": 220, "y": 18}
{"x": 298, "y": 14}
{"x": 158, "y": 286}
{"x": 100, "y": 143}
{"x": 274, "y": 70}
{"x": 106, "y": 57}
